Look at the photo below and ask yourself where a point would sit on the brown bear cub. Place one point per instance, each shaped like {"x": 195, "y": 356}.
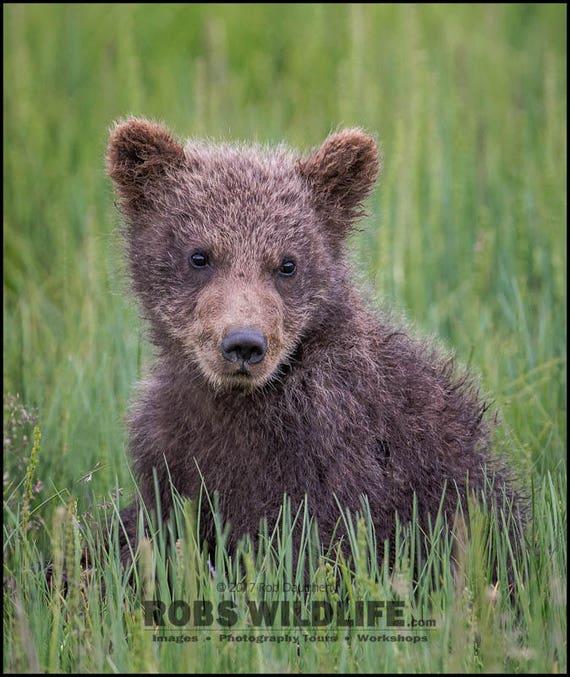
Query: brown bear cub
{"x": 271, "y": 375}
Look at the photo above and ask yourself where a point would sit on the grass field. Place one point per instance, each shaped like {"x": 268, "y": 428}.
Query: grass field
{"x": 466, "y": 235}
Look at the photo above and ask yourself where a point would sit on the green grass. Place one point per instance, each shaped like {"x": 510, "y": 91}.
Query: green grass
{"x": 473, "y": 627}
{"x": 466, "y": 235}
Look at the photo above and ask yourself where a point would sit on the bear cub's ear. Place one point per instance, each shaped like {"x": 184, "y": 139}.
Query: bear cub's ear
{"x": 140, "y": 153}
{"x": 341, "y": 173}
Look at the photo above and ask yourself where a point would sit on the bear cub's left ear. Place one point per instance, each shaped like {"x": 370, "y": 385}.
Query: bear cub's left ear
{"x": 139, "y": 154}
{"x": 341, "y": 173}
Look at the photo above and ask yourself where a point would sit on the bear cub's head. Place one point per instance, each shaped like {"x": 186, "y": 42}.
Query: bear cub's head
{"x": 236, "y": 253}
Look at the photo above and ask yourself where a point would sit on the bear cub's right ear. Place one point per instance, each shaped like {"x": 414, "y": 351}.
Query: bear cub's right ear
{"x": 139, "y": 154}
{"x": 341, "y": 173}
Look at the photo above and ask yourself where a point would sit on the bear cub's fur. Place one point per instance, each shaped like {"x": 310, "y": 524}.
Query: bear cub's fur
{"x": 271, "y": 375}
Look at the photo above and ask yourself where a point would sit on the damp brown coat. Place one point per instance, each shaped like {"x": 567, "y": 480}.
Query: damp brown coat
{"x": 226, "y": 241}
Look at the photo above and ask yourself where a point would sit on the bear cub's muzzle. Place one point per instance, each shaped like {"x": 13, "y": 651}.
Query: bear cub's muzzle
{"x": 246, "y": 346}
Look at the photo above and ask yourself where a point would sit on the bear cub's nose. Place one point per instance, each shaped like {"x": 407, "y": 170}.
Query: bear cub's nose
{"x": 245, "y": 346}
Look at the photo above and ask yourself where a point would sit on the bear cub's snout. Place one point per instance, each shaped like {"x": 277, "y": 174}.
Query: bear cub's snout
{"x": 244, "y": 346}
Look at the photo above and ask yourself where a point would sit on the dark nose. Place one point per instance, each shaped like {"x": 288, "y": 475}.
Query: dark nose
{"x": 244, "y": 345}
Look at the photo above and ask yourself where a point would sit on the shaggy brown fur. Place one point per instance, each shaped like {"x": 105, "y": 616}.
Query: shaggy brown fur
{"x": 343, "y": 402}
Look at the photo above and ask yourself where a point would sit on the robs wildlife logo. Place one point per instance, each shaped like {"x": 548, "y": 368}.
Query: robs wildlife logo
{"x": 373, "y": 614}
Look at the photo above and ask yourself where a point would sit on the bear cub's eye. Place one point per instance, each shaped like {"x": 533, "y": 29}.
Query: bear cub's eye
{"x": 287, "y": 267}
{"x": 199, "y": 260}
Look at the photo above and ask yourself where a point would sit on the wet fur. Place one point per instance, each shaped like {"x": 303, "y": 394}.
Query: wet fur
{"x": 346, "y": 403}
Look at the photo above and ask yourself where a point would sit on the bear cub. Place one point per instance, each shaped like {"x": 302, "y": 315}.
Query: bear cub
{"x": 271, "y": 374}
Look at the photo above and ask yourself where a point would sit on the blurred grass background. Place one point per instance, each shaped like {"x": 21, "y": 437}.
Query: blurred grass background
{"x": 466, "y": 232}
{"x": 466, "y": 235}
